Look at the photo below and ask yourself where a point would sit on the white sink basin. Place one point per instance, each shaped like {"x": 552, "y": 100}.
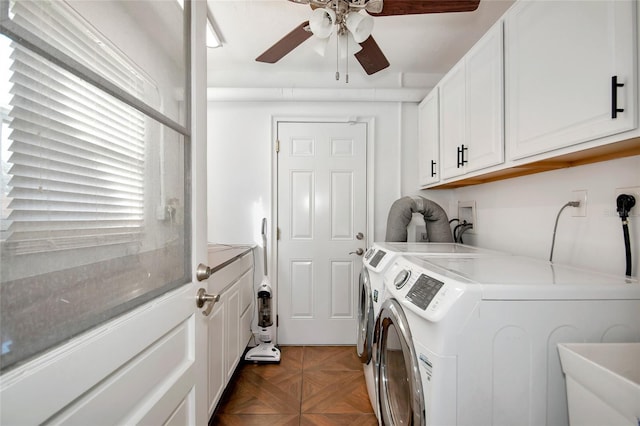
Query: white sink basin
{"x": 603, "y": 383}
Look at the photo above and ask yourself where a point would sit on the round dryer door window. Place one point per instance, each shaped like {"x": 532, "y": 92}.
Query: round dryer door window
{"x": 365, "y": 319}
{"x": 401, "y": 398}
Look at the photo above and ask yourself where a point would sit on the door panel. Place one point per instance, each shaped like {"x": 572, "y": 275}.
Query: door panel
{"x": 116, "y": 373}
{"x": 341, "y": 296}
{"x": 301, "y": 293}
{"x": 321, "y": 208}
{"x": 301, "y": 212}
{"x": 342, "y": 205}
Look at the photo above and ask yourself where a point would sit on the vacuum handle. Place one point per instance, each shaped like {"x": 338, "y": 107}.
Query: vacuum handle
{"x": 264, "y": 243}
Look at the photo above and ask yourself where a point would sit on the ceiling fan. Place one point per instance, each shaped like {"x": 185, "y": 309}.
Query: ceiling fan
{"x": 351, "y": 21}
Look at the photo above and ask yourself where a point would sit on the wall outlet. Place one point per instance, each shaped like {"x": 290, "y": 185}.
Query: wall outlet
{"x": 579, "y": 195}
{"x": 631, "y": 190}
{"x": 467, "y": 212}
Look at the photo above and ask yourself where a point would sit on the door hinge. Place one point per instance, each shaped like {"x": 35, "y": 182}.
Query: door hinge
{"x": 277, "y": 146}
{"x": 277, "y": 321}
{"x": 278, "y": 234}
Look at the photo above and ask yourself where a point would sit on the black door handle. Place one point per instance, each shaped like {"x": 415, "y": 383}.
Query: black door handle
{"x": 461, "y": 159}
{"x": 433, "y": 168}
{"x": 614, "y": 97}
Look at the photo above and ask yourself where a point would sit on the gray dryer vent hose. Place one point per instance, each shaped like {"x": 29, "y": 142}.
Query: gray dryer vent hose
{"x": 401, "y": 212}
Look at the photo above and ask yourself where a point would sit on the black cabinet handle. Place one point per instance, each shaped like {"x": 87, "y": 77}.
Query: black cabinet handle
{"x": 433, "y": 168}
{"x": 461, "y": 159}
{"x": 614, "y": 97}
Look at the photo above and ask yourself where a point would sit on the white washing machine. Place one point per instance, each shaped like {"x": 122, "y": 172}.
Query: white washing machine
{"x": 372, "y": 294}
{"x": 435, "y": 250}
{"x": 473, "y": 340}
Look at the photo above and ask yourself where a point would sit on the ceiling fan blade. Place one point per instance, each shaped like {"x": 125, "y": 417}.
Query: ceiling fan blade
{"x": 286, "y": 44}
{"x": 371, "y": 57}
{"x": 417, "y": 7}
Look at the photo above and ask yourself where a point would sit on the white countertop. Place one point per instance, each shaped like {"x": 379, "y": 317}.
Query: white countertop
{"x": 221, "y": 255}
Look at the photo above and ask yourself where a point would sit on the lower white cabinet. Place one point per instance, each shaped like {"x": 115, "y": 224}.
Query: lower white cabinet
{"x": 229, "y": 324}
{"x": 216, "y": 365}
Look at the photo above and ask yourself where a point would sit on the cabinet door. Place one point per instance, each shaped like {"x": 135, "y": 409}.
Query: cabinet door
{"x": 247, "y": 294}
{"x": 232, "y": 319}
{"x": 484, "y": 101}
{"x": 452, "y": 120}
{"x": 216, "y": 343}
{"x": 429, "y": 139}
{"x": 245, "y": 329}
{"x": 560, "y": 60}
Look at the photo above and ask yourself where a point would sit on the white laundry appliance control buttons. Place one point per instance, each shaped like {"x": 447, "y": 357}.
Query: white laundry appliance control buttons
{"x": 424, "y": 292}
{"x": 401, "y": 279}
{"x": 369, "y": 253}
{"x": 377, "y": 258}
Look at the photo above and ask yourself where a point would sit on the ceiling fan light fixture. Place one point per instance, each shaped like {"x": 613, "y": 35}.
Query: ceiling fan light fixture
{"x": 322, "y": 21}
{"x": 320, "y": 45}
{"x": 373, "y": 6}
{"x": 360, "y": 25}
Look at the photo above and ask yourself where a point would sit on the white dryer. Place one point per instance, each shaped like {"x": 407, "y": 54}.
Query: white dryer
{"x": 372, "y": 294}
{"x": 473, "y": 340}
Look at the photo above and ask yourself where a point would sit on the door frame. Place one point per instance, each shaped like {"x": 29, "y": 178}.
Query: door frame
{"x": 369, "y": 122}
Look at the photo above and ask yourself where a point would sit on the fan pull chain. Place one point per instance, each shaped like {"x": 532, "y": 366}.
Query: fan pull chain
{"x": 346, "y": 58}
{"x": 337, "y": 56}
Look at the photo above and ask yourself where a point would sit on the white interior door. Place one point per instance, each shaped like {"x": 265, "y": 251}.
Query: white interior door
{"x": 322, "y": 222}
{"x": 146, "y": 366}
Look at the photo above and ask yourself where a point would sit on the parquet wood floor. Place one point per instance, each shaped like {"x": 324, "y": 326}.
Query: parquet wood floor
{"x": 312, "y": 386}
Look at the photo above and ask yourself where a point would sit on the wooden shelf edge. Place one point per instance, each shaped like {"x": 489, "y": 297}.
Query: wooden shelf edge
{"x": 627, "y": 148}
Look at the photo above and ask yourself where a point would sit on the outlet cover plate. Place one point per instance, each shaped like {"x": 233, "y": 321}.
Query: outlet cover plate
{"x": 579, "y": 195}
{"x": 467, "y": 211}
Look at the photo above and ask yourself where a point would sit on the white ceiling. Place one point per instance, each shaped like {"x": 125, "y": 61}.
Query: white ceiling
{"x": 420, "y": 48}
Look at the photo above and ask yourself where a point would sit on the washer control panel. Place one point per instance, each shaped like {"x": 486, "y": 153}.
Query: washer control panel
{"x": 380, "y": 254}
{"x": 428, "y": 293}
{"x": 423, "y": 291}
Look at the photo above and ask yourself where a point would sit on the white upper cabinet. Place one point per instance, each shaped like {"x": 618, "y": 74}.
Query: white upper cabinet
{"x": 569, "y": 73}
{"x": 429, "y": 139}
{"x": 471, "y": 108}
{"x": 452, "y": 121}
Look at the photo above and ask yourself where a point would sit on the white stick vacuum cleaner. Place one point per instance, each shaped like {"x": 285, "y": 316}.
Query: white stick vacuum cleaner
{"x": 266, "y": 351}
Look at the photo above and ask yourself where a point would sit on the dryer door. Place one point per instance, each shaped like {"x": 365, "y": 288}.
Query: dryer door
{"x": 365, "y": 318}
{"x": 401, "y": 399}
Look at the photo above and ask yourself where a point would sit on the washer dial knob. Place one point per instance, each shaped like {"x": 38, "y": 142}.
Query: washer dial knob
{"x": 401, "y": 279}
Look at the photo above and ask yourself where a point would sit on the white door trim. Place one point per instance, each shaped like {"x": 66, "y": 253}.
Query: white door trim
{"x": 273, "y": 243}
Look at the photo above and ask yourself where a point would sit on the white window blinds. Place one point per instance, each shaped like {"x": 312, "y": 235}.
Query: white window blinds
{"x": 76, "y": 154}
{"x": 77, "y": 161}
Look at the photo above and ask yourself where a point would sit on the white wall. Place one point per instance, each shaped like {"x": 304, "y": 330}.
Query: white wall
{"x": 517, "y": 215}
{"x": 240, "y": 155}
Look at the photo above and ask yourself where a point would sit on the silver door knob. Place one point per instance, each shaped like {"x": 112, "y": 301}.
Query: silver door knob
{"x": 359, "y": 252}
{"x": 202, "y": 298}
{"x": 203, "y": 272}
{"x": 359, "y": 236}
